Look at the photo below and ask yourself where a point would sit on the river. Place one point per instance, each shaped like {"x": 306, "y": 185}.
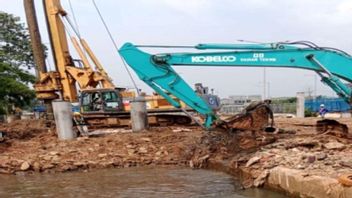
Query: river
{"x": 129, "y": 182}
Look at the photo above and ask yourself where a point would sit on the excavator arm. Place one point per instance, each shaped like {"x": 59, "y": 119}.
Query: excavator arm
{"x": 331, "y": 65}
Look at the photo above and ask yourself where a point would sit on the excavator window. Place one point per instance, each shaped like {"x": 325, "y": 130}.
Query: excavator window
{"x": 91, "y": 101}
{"x": 101, "y": 101}
{"x": 111, "y": 101}
{"x": 86, "y": 102}
{"x": 97, "y": 102}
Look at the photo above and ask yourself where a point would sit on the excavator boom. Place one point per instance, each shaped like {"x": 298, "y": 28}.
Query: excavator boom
{"x": 331, "y": 65}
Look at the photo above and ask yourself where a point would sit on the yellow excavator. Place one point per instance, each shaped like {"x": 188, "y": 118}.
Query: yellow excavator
{"x": 102, "y": 104}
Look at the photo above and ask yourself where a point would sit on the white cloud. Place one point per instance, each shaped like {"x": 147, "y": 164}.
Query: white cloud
{"x": 189, "y": 7}
{"x": 326, "y": 22}
{"x": 342, "y": 14}
{"x": 344, "y": 7}
{"x": 252, "y": 3}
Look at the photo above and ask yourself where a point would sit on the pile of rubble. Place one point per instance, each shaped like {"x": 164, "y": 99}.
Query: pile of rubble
{"x": 251, "y": 156}
{"x": 25, "y": 129}
{"x": 45, "y": 153}
{"x": 299, "y": 148}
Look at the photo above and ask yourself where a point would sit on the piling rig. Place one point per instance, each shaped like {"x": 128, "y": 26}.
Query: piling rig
{"x": 83, "y": 80}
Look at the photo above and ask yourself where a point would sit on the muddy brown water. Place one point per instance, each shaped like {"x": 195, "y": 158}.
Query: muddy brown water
{"x": 131, "y": 182}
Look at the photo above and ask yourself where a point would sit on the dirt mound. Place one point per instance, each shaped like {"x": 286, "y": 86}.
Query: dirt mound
{"x": 25, "y": 129}
{"x": 332, "y": 127}
{"x": 254, "y": 120}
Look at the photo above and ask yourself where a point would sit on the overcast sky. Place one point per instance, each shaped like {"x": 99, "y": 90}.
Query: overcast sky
{"x": 189, "y": 22}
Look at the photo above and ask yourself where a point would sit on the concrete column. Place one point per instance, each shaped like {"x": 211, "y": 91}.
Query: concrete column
{"x": 300, "y": 105}
{"x": 63, "y": 119}
{"x": 36, "y": 115}
{"x": 139, "y": 117}
{"x": 11, "y": 118}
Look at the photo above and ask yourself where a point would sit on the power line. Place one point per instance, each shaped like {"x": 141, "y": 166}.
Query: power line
{"x": 115, "y": 46}
{"x": 74, "y": 18}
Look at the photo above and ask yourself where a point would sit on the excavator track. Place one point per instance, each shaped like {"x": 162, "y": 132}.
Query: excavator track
{"x": 155, "y": 118}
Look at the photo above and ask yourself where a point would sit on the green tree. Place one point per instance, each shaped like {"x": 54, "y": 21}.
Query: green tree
{"x": 16, "y": 58}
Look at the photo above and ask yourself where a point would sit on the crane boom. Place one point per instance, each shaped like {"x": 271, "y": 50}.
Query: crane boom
{"x": 331, "y": 65}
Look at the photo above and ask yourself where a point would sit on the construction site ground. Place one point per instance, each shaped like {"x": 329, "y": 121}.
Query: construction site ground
{"x": 32, "y": 146}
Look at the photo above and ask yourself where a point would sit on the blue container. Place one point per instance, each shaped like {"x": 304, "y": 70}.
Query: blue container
{"x": 331, "y": 104}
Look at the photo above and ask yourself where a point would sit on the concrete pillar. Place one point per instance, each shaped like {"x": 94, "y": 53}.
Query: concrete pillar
{"x": 300, "y": 105}
{"x": 139, "y": 117}
{"x": 63, "y": 119}
{"x": 26, "y": 117}
{"x": 11, "y": 118}
{"x": 36, "y": 115}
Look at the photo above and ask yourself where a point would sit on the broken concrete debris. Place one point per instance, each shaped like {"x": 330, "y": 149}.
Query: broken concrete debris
{"x": 252, "y": 161}
{"x": 260, "y": 180}
{"x": 311, "y": 155}
{"x": 25, "y": 166}
{"x": 334, "y": 146}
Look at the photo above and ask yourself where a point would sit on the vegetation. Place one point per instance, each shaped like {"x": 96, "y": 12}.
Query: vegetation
{"x": 284, "y": 100}
{"x": 16, "y": 58}
{"x": 284, "y": 105}
{"x": 309, "y": 113}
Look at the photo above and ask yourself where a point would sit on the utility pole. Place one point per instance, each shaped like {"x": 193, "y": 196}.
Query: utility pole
{"x": 309, "y": 91}
{"x": 264, "y": 84}
{"x": 315, "y": 86}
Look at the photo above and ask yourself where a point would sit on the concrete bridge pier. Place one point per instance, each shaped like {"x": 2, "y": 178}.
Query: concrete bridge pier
{"x": 63, "y": 120}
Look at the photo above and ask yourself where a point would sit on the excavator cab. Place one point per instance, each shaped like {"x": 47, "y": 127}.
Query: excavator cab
{"x": 101, "y": 101}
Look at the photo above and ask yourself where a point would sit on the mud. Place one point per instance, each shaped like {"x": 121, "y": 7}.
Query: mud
{"x": 26, "y": 129}
{"x": 254, "y": 120}
{"x": 296, "y": 145}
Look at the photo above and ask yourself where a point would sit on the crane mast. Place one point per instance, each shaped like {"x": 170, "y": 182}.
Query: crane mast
{"x": 62, "y": 83}
{"x": 62, "y": 58}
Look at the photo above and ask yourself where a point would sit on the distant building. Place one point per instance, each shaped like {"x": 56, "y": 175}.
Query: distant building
{"x": 236, "y": 103}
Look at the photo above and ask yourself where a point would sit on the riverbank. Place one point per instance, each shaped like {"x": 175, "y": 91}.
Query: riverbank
{"x": 146, "y": 181}
{"x": 295, "y": 153}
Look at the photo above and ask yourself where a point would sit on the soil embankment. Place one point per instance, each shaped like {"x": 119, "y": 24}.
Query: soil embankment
{"x": 32, "y": 146}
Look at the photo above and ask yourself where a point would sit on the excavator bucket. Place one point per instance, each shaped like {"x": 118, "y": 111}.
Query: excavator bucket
{"x": 254, "y": 117}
